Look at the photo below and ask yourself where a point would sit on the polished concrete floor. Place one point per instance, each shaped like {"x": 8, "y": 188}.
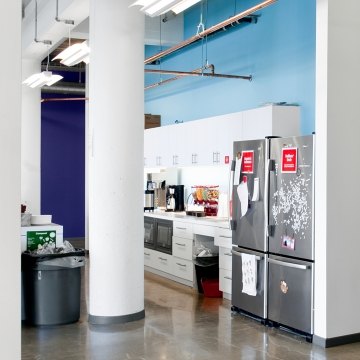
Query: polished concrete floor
{"x": 179, "y": 324}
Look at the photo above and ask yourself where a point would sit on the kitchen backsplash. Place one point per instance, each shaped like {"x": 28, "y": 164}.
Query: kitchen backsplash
{"x": 190, "y": 176}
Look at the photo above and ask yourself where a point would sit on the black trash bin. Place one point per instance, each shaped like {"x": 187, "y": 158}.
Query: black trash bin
{"x": 206, "y": 267}
{"x": 52, "y": 287}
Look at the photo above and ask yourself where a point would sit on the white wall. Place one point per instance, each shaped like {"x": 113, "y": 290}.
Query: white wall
{"x": 30, "y": 140}
{"x": 337, "y": 285}
{"x": 10, "y": 140}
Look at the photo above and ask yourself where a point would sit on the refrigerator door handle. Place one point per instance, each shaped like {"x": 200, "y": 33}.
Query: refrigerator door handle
{"x": 230, "y": 192}
{"x": 266, "y": 197}
{"x": 237, "y": 253}
{"x": 291, "y": 265}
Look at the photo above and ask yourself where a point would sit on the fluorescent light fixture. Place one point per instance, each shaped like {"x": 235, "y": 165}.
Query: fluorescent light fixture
{"x": 183, "y": 5}
{"x": 41, "y": 79}
{"x": 159, "y": 7}
{"x": 74, "y": 54}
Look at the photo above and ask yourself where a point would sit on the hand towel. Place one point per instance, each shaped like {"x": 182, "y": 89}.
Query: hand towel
{"x": 249, "y": 274}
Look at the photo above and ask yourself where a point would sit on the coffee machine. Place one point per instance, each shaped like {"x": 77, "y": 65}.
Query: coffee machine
{"x": 175, "y": 198}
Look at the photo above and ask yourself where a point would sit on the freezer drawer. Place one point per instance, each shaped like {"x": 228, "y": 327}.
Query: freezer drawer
{"x": 290, "y": 293}
{"x": 255, "y": 305}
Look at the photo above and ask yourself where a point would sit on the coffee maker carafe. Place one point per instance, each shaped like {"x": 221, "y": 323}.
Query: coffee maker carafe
{"x": 171, "y": 204}
{"x": 175, "y": 198}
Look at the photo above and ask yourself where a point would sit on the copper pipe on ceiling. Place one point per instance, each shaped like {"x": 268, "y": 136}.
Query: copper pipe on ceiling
{"x": 166, "y": 81}
{"x": 209, "y": 31}
{"x": 190, "y": 73}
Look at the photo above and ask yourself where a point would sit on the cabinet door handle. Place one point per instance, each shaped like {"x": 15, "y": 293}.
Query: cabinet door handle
{"x": 146, "y": 254}
{"x": 183, "y": 265}
{"x": 228, "y": 254}
{"x": 162, "y": 259}
{"x": 180, "y": 228}
{"x": 194, "y": 158}
{"x": 180, "y": 244}
{"x": 214, "y": 157}
{"x": 225, "y": 237}
{"x": 227, "y": 277}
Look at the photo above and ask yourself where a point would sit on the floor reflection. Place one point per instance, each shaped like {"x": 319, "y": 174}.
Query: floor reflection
{"x": 179, "y": 324}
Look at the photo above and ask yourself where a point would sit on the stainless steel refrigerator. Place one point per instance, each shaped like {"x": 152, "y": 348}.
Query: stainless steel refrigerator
{"x": 291, "y": 233}
{"x": 272, "y": 221}
{"x": 248, "y": 224}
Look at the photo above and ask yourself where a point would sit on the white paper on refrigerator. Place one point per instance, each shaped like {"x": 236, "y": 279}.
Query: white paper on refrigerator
{"x": 237, "y": 171}
{"x": 256, "y": 191}
{"x": 249, "y": 274}
{"x": 243, "y": 194}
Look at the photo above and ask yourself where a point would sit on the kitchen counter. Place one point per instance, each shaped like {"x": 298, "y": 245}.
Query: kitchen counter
{"x": 182, "y": 217}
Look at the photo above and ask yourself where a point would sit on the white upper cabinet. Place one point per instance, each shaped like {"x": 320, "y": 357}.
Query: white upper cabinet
{"x": 271, "y": 120}
{"x": 209, "y": 141}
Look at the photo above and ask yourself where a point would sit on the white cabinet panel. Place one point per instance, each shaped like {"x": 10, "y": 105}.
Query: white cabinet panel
{"x": 149, "y": 257}
{"x": 184, "y": 230}
{"x": 163, "y": 262}
{"x": 225, "y": 258}
{"x": 182, "y": 247}
{"x": 223, "y": 237}
{"x": 208, "y": 141}
{"x": 183, "y": 268}
{"x": 204, "y": 230}
{"x": 225, "y": 280}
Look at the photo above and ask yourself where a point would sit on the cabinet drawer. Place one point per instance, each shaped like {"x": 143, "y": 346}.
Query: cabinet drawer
{"x": 223, "y": 237}
{"x": 204, "y": 230}
{"x": 184, "y": 230}
{"x": 225, "y": 280}
{"x": 182, "y": 248}
{"x": 163, "y": 262}
{"x": 225, "y": 258}
{"x": 149, "y": 257}
{"x": 183, "y": 269}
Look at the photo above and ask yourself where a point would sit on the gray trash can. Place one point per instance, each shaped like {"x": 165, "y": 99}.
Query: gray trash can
{"x": 52, "y": 287}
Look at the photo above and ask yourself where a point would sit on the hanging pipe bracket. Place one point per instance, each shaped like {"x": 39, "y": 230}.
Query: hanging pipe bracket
{"x": 46, "y": 42}
{"x": 65, "y": 21}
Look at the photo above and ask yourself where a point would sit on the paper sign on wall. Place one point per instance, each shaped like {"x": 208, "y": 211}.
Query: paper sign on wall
{"x": 247, "y": 162}
{"x": 289, "y": 160}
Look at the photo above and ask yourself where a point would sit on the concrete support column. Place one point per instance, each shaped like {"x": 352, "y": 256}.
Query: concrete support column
{"x": 31, "y": 140}
{"x": 116, "y": 118}
{"x": 337, "y": 249}
{"x": 10, "y": 157}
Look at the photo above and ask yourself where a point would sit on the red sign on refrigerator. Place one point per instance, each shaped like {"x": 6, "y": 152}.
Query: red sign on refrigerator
{"x": 289, "y": 160}
{"x": 247, "y": 162}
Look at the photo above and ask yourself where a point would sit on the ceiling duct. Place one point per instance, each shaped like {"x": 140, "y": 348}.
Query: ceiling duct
{"x": 231, "y": 21}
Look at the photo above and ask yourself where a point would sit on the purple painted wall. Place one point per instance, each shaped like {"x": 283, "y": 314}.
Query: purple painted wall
{"x": 63, "y": 163}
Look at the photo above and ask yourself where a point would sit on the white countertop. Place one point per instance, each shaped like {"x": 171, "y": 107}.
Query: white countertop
{"x": 182, "y": 217}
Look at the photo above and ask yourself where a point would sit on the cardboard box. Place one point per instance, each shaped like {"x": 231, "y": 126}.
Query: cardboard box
{"x": 152, "y": 121}
{"x": 32, "y": 235}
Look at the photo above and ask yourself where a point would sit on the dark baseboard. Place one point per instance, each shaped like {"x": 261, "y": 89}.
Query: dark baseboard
{"x": 110, "y": 320}
{"x": 336, "y": 341}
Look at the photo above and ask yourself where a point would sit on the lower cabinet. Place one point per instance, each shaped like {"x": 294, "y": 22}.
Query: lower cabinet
{"x": 223, "y": 240}
{"x": 163, "y": 262}
{"x": 183, "y": 268}
{"x": 225, "y": 270}
{"x": 177, "y": 266}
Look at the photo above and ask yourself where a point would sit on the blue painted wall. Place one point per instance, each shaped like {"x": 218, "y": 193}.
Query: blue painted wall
{"x": 63, "y": 164}
{"x": 279, "y": 52}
